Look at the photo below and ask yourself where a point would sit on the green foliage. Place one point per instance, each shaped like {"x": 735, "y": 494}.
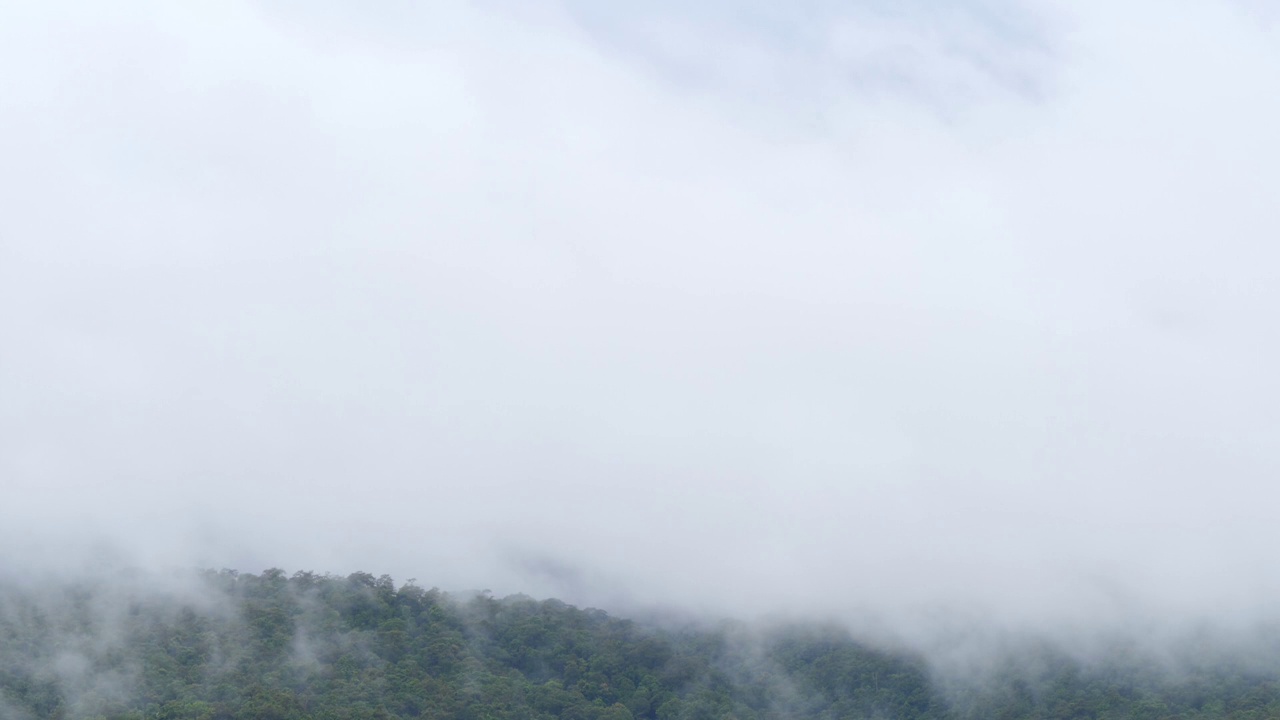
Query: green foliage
{"x": 274, "y": 647}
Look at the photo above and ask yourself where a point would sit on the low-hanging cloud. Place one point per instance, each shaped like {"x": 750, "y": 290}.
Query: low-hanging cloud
{"x": 840, "y": 310}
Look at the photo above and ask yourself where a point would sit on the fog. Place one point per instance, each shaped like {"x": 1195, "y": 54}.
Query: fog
{"x": 865, "y": 310}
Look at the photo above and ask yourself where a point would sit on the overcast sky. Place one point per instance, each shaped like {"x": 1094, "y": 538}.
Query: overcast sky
{"x": 847, "y": 307}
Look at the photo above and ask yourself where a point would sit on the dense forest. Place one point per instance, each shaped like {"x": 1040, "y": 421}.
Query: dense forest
{"x": 272, "y": 646}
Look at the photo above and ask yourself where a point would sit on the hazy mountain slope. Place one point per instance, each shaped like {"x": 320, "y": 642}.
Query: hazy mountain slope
{"x": 230, "y": 645}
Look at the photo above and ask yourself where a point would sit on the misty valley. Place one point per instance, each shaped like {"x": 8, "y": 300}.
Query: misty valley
{"x": 272, "y": 646}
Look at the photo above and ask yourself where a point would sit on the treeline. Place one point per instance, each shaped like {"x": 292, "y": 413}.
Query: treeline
{"x": 275, "y": 647}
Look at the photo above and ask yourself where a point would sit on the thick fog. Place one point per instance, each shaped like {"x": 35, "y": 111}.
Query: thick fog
{"x": 867, "y": 309}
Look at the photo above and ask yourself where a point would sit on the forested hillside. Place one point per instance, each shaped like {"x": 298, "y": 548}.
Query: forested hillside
{"x": 271, "y": 646}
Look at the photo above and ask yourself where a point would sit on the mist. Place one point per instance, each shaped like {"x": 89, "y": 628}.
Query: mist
{"x": 882, "y": 314}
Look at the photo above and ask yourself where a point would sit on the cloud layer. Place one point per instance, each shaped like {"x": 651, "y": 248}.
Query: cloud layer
{"x": 842, "y": 310}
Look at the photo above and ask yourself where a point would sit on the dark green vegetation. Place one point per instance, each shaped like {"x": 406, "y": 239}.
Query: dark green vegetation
{"x": 270, "y": 647}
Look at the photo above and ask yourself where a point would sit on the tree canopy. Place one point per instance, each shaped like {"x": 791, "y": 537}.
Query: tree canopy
{"x": 277, "y": 647}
